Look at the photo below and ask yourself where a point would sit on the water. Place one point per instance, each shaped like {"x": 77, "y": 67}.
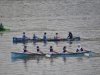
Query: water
{"x": 82, "y": 17}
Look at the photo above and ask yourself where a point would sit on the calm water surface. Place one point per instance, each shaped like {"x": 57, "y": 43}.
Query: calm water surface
{"x": 82, "y": 17}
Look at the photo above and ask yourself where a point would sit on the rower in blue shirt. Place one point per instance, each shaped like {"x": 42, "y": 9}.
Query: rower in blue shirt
{"x": 35, "y": 37}
{"x": 44, "y": 37}
{"x": 24, "y": 36}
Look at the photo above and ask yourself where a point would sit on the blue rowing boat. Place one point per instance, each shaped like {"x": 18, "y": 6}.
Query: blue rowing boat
{"x": 19, "y": 40}
{"x": 16, "y": 54}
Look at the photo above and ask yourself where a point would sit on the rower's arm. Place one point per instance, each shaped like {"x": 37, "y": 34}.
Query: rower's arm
{"x": 68, "y": 51}
{"x": 29, "y": 52}
{"x": 41, "y": 52}
{"x": 55, "y": 52}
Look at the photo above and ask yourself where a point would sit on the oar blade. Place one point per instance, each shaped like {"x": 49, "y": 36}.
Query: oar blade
{"x": 86, "y": 54}
{"x": 48, "y": 55}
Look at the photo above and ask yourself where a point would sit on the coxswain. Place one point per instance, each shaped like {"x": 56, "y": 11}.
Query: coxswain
{"x": 79, "y": 49}
{"x": 70, "y": 36}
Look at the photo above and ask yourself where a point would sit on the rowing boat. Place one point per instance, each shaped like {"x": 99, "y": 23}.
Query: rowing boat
{"x": 5, "y": 29}
{"x": 16, "y": 54}
{"x": 18, "y": 40}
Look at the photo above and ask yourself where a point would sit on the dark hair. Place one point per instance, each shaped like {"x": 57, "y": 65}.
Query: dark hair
{"x": 45, "y": 33}
{"x": 23, "y": 32}
{"x": 50, "y": 46}
{"x": 25, "y": 46}
{"x": 37, "y": 46}
{"x": 64, "y": 47}
{"x": 56, "y": 33}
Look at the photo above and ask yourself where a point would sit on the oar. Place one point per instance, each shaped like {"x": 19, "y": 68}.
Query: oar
{"x": 48, "y": 55}
{"x": 86, "y": 54}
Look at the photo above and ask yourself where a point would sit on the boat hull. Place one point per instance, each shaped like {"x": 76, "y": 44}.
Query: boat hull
{"x": 5, "y": 29}
{"x": 15, "y": 55}
{"x": 19, "y": 40}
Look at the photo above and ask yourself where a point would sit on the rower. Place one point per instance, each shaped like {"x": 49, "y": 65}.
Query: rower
{"x": 56, "y": 36}
{"x": 24, "y": 36}
{"x": 38, "y": 51}
{"x": 52, "y": 51}
{"x": 35, "y": 37}
{"x": 79, "y": 49}
{"x": 44, "y": 37}
{"x": 65, "y": 51}
{"x": 26, "y": 51}
{"x": 70, "y": 36}
{"x": 1, "y": 27}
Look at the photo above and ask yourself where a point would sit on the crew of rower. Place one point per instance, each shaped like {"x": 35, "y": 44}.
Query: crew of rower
{"x": 52, "y": 51}
{"x": 45, "y": 38}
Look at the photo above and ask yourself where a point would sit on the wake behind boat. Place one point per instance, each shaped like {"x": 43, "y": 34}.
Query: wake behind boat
{"x": 21, "y": 40}
{"x": 16, "y": 55}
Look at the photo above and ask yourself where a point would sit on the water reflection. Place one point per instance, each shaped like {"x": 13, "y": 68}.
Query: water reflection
{"x": 34, "y": 43}
{"x": 70, "y": 43}
{"x": 64, "y": 59}
{"x": 39, "y": 58}
{"x": 1, "y": 34}
{"x": 45, "y": 43}
{"x": 79, "y": 59}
